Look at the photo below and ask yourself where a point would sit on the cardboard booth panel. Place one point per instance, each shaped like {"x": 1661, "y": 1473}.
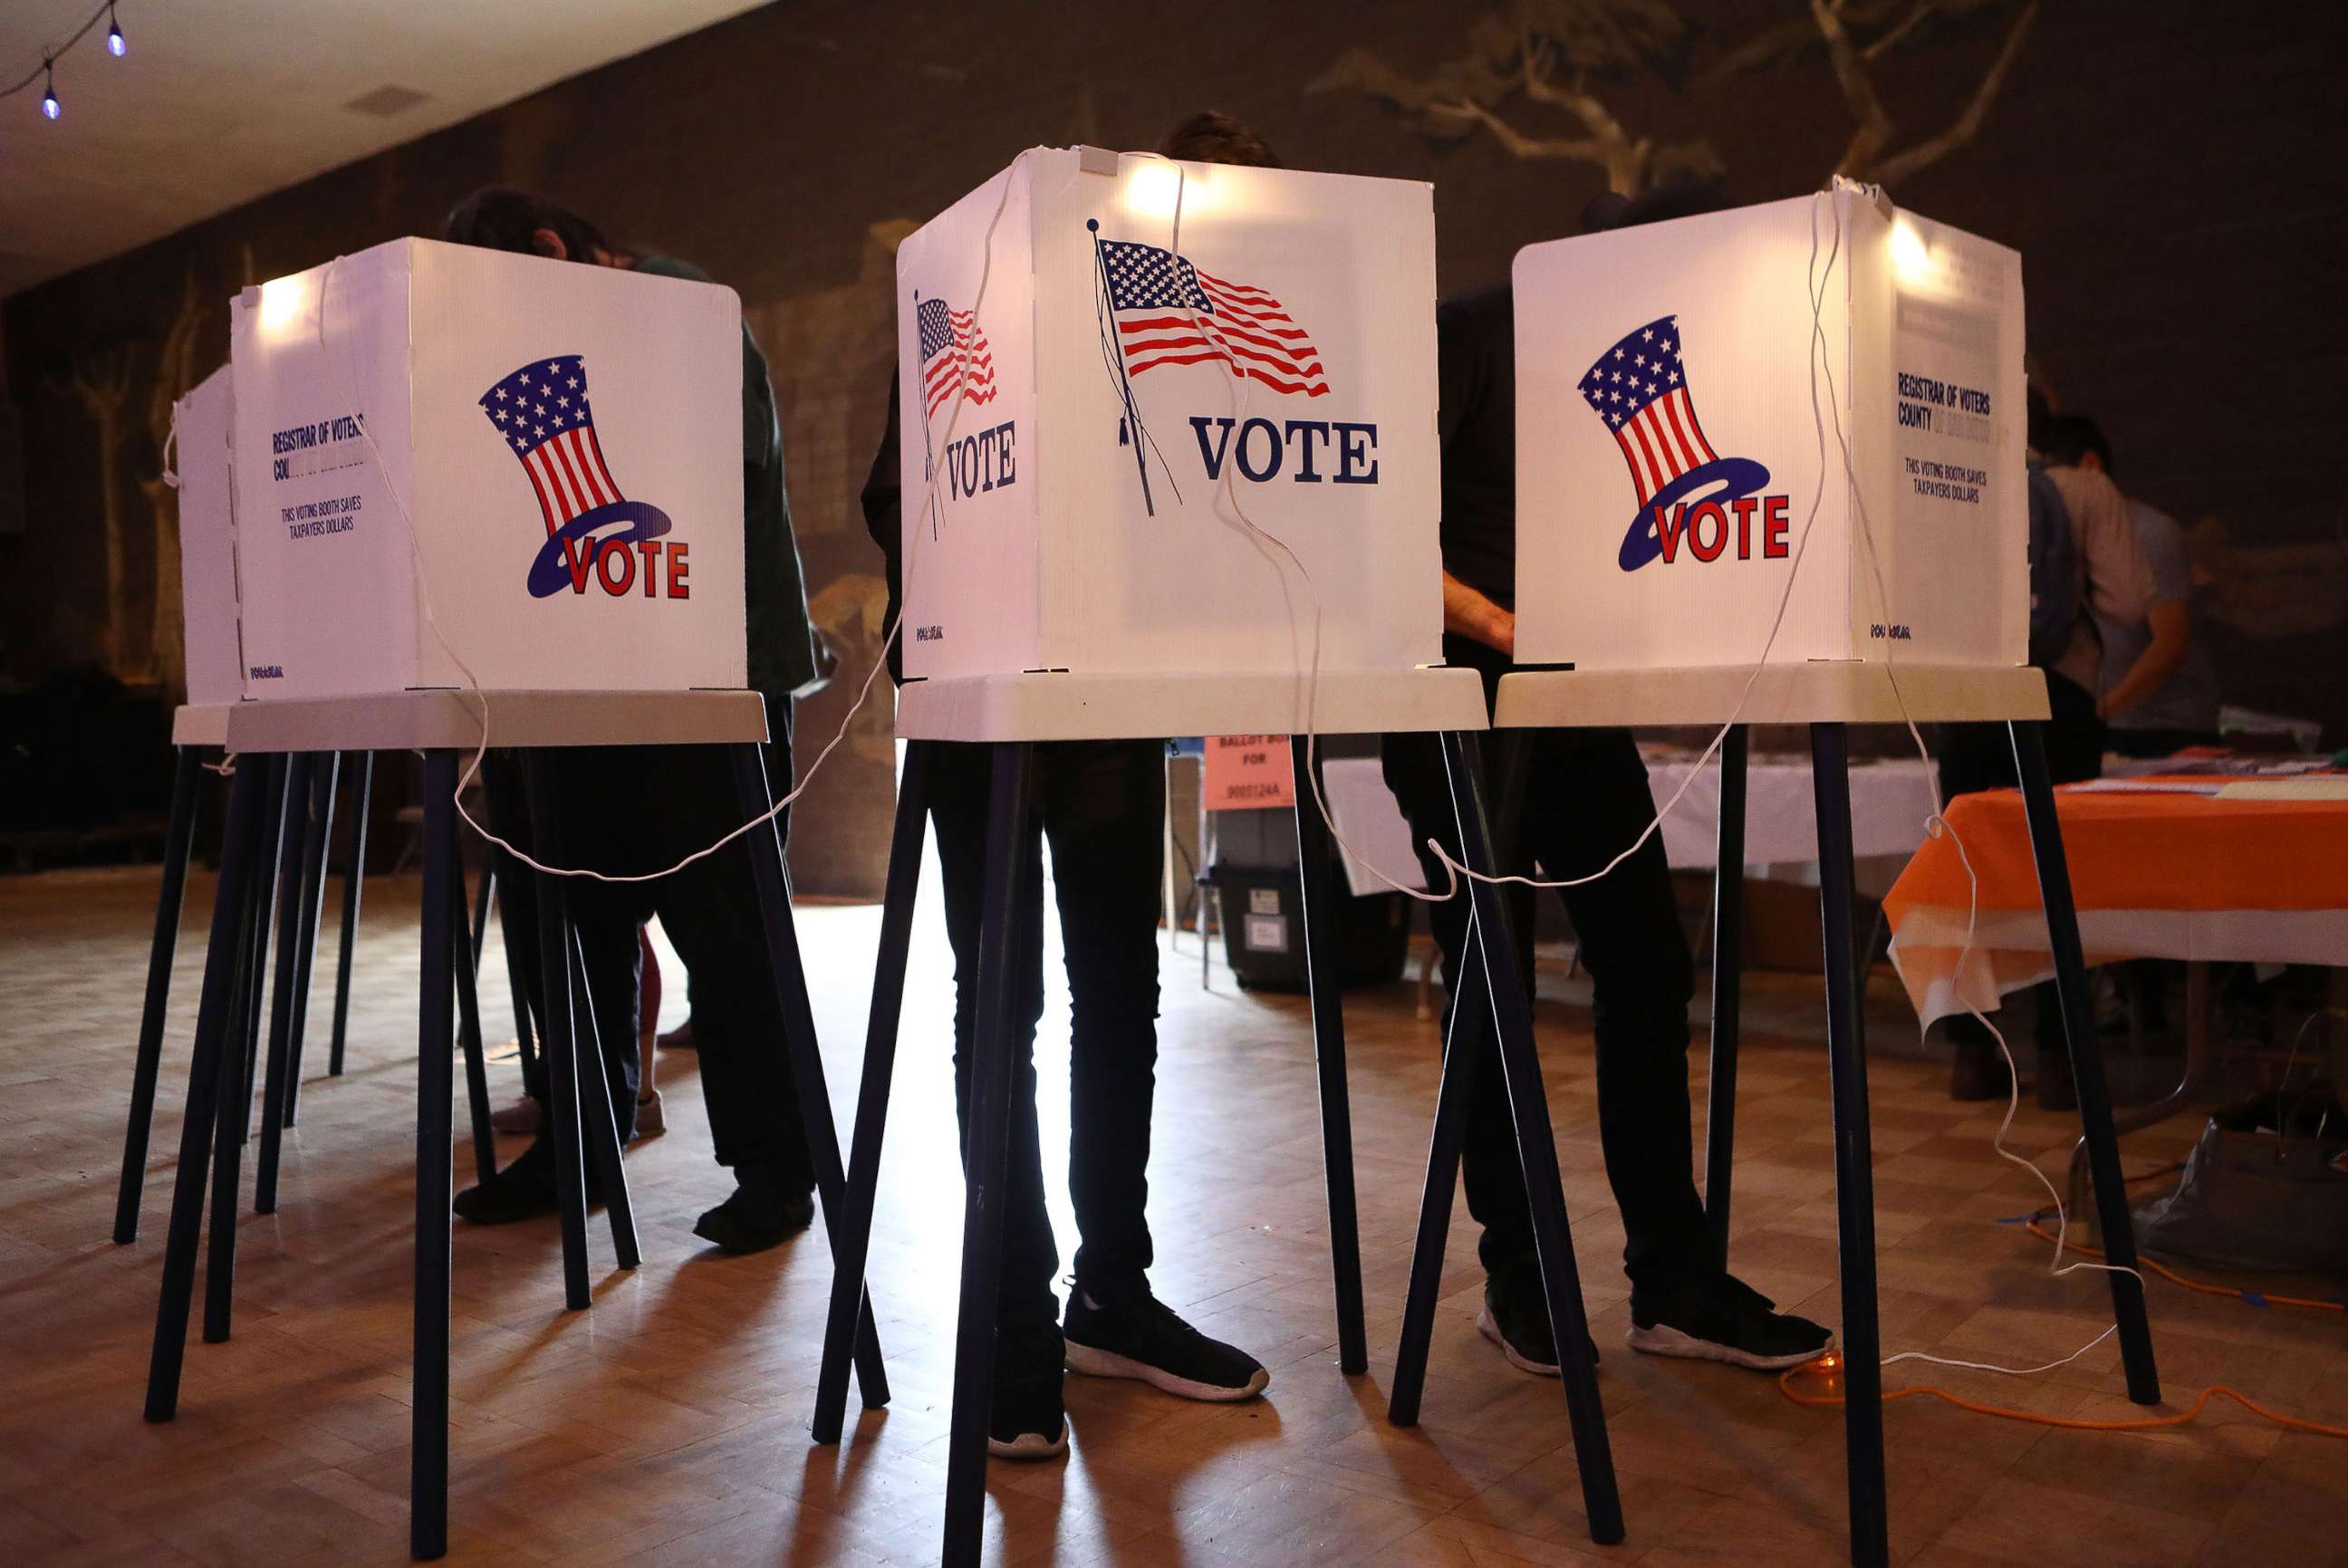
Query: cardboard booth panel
{"x": 527, "y": 469}
{"x": 1674, "y": 389}
{"x": 1164, "y": 354}
{"x": 203, "y": 426}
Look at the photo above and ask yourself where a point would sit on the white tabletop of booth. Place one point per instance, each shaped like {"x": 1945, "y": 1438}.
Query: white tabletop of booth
{"x": 1817, "y": 692}
{"x": 453, "y": 720}
{"x": 1068, "y": 705}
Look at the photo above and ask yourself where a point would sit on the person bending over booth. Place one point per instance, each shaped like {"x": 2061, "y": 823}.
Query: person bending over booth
{"x": 1102, "y": 804}
{"x": 629, "y": 811}
{"x": 1586, "y": 798}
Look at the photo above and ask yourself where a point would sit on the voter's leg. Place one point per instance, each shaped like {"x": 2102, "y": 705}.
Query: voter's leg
{"x": 1102, "y": 803}
{"x": 969, "y": 805}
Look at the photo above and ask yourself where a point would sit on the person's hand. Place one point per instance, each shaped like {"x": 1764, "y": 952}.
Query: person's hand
{"x": 1503, "y": 633}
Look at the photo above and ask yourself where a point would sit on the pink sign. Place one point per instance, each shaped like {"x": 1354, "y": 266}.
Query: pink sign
{"x": 1248, "y": 770}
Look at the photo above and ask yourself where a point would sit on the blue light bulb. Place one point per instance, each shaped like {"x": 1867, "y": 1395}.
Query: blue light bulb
{"x": 49, "y": 103}
{"x": 114, "y": 45}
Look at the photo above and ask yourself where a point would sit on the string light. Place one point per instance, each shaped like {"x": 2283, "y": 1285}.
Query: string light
{"x": 45, "y": 73}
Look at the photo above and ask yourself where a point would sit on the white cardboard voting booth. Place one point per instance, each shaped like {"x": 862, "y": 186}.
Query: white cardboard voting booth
{"x": 1145, "y": 351}
{"x": 205, "y": 424}
{"x": 1668, "y": 455}
{"x": 565, "y": 443}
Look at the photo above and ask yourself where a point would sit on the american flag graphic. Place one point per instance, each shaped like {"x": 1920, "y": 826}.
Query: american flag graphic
{"x": 1639, "y": 389}
{"x": 1168, "y": 312}
{"x": 541, "y": 411}
{"x": 954, "y": 353}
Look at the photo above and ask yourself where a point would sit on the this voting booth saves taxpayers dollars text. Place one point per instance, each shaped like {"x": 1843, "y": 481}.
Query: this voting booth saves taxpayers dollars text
{"x": 564, "y": 440}
{"x": 1152, "y": 351}
{"x": 203, "y": 429}
{"x": 1668, "y": 455}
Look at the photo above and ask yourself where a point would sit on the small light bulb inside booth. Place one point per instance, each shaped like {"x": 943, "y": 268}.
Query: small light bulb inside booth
{"x": 1911, "y": 259}
{"x": 283, "y": 304}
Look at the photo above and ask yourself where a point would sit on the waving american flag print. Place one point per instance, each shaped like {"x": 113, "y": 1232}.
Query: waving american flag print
{"x": 954, "y": 356}
{"x": 1168, "y": 312}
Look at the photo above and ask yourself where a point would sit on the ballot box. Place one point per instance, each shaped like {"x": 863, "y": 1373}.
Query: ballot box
{"x": 458, "y": 466}
{"x": 1682, "y": 408}
{"x": 1157, "y": 416}
{"x": 202, "y": 423}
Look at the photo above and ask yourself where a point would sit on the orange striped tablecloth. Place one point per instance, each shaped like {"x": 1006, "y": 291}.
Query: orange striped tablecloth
{"x": 2154, "y": 876}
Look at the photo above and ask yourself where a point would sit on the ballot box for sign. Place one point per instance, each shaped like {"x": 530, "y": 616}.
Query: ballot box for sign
{"x": 1685, "y": 394}
{"x": 1116, "y": 370}
{"x": 458, "y": 466}
{"x": 1683, "y": 411}
{"x": 203, "y": 424}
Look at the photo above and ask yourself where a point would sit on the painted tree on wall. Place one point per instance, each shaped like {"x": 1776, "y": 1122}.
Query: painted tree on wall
{"x": 1553, "y": 54}
{"x": 1857, "y": 37}
{"x": 175, "y": 374}
{"x": 1566, "y": 55}
{"x": 100, "y": 380}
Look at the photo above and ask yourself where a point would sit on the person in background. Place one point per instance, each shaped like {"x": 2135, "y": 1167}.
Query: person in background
{"x": 2158, "y": 693}
{"x": 1102, "y": 804}
{"x": 633, "y": 811}
{"x": 2113, "y": 588}
{"x": 1587, "y": 798}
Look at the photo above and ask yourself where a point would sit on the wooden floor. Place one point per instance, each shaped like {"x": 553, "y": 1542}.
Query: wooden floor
{"x": 667, "y": 1425}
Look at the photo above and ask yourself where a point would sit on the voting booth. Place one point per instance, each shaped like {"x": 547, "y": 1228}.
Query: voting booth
{"x": 1111, "y": 364}
{"x": 1668, "y": 454}
{"x": 453, "y": 458}
{"x": 203, "y": 424}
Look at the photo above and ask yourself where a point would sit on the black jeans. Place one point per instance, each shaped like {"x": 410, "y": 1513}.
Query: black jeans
{"x": 1586, "y": 798}
{"x": 1978, "y": 756}
{"x": 1103, "y": 806}
{"x": 632, "y": 809}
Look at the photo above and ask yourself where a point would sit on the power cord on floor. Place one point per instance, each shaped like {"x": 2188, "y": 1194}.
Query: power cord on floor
{"x": 1830, "y": 1365}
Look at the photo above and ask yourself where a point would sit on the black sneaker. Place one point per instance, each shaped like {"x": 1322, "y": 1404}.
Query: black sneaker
{"x": 765, "y": 1212}
{"x": 1725, "y": 1319}
{"x": 1516, "y": 1318}
{"x": 1142, "y": 1338}
{"x": 523, "y": 1191}
{"x": 1025, "y": 1417}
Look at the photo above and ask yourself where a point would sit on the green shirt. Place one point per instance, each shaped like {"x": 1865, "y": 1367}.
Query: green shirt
{"x": 782, "y": 644}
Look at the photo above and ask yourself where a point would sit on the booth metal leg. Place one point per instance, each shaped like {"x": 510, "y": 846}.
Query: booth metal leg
{"x": 1727, "y": 977}
{"x": 482, "y": 899}
{"x": 561, "y": 1057}
{"x": 1468, "y": 1014}
{"x": 240, "y": 869}
{"x": 468, "y": 1036}
{"x": 852, "y": 1237}
{"x": 352, "y": 885}
{"x": 2087, "y": 1063}
{"x": 1862, "y": 1402}
{"x": 1468, "y": 1011}
{"x": 526, "y": 1042}
{"x": 187, "y": 772}
{"x": 1324, "y": 985}
{"x": 293, "y": 888}
{"x": 325, "y": 773}
{"x": 264, "y": 914}
{"x": 771, "y": 871}
{"x": 599, "y": 1118}
{"x": 1512, "y": 1022}
{"x": 443, "y": 933}
{"x": 986, "y": 1151}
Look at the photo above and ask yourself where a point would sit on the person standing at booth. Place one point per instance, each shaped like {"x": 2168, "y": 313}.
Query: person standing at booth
{"x": 1102, "y": 804}
{"x": 1586, "y": 798}
{"x": 629, "y": 811}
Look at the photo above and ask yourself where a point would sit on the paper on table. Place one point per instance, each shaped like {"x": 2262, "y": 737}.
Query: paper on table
{"x": 2331, "y": 787}
{"x": 2147, "y": 787}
